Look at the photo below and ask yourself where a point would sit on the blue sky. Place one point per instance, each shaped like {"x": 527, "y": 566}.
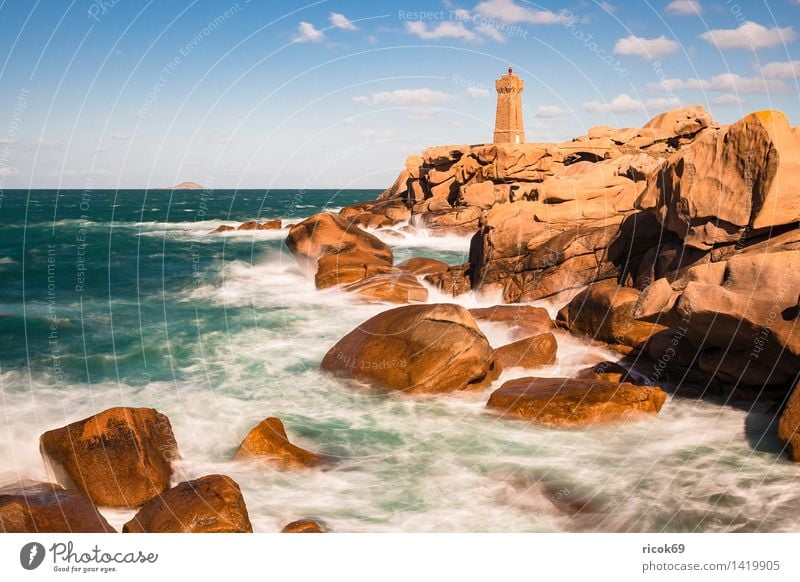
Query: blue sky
{"x": 335, "y": 94}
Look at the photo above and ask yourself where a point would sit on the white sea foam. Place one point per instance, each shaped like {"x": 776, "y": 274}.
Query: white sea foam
{"x": 408, "y": 464}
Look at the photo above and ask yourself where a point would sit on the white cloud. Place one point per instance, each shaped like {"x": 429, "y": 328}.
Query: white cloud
{"x": 622, "y": 103}
{"x": 549, "y": 111}
{"x": 785, "y": 70}
{"x": 422, "y": 113}
{"x": 477, "y": 93}
{"x": 441, "y": 30}
{"x": 728, "y": 82}
{"x": 662, "y": 103}
{"x": 491, "y": 31}
{"x": 684, "y": 7}
{"x": 370, "y": 134}
{"x": 8, "y": 171}
{"x": 51, "y": 144}
{"x": 508, "y": 11}
{"x": 726, "y": 99}
{"x": 749, "y": 35}
{"x": 307, "y": 33}
{"x": 349, "y": 121}
{"x": 360, "y": 100}
{"x": 410, "y": 97}
{"x": 647, "y": 48}
{"x": 608, "y": 7}
{"x": 341, "y": 21}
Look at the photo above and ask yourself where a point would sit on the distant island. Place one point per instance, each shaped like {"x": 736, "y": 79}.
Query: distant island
{"x": 184, "y": 186}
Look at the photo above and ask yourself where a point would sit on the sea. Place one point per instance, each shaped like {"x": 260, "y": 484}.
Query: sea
{"x": 124, "y": 298}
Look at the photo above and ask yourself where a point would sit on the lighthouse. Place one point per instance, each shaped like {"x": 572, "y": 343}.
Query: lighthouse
{"x": 508, "y": 120}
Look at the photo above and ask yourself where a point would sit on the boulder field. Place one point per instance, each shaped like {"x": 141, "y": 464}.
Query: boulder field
{"x": 122, "y": 458}
{"x": 676, "y": 243}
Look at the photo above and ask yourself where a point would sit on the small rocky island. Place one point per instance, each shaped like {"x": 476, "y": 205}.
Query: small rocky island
{"x": 186, "y": 186}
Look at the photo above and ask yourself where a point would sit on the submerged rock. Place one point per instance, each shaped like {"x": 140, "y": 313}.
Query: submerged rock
{"x": 524, "y": 320}
{"x": 389, "y": 288}
{"x": 269, "y": 442}
{"x": 121, "y": 457}
{"x": 33, "y": 507}
{"x": 303, "y": 526}
{"x": 416, "y": 349}
{"x": 210, "y": 504}
{"x": 568, "y": 402}
{"x": 423, "y": 266}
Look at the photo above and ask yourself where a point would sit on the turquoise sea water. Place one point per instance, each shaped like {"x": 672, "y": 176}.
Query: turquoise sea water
{"x": 115, "y": 298}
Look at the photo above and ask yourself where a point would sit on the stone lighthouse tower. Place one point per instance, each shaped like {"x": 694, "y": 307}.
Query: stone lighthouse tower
{"x": 508, "y": 121}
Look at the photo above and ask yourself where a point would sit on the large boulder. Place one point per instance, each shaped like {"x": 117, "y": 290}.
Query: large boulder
{"x": 32, "y": 507}
{"x": 741, "y": 317}
{"x": 210, "y": 504}
{"x": 683, "y": 121}
{"x": 604, "y": 311}
{"x": 416, "y": 349}
{"x": 336, "y": 250}
{"x": 269, "y": 442}
{"x": 729, "y": 182}
{"x": 121, "y": 457}
{"x": 566, "y": 402}
{"x": 532, "y": 352}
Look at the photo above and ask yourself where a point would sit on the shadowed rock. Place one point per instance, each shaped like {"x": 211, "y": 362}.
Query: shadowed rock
{"x": 210, "y": 504}
{"x": 33, "y": 507}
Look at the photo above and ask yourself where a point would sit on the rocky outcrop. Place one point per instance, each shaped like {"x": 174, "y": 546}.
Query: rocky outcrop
{"x": 416, "y": 349}
{"x": 532, "y": 352}
{"x": 337, "y": 251}
{"x": 526, "y": 257}
{"x": 268, "y": 442}
{"x": 565, "y": 402}
{"x": 682, "y": 122}
{"x": 121, "y": 457}
{"x": 33, "y": 507}
{"x": 210, "y": 504}
{"x": 604, "y": 311}
{"x": 303, "y": 526}
{"x": 255, "y": 225}
{"x": 739, "y": 316}
{"x": 730, "y": 182}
